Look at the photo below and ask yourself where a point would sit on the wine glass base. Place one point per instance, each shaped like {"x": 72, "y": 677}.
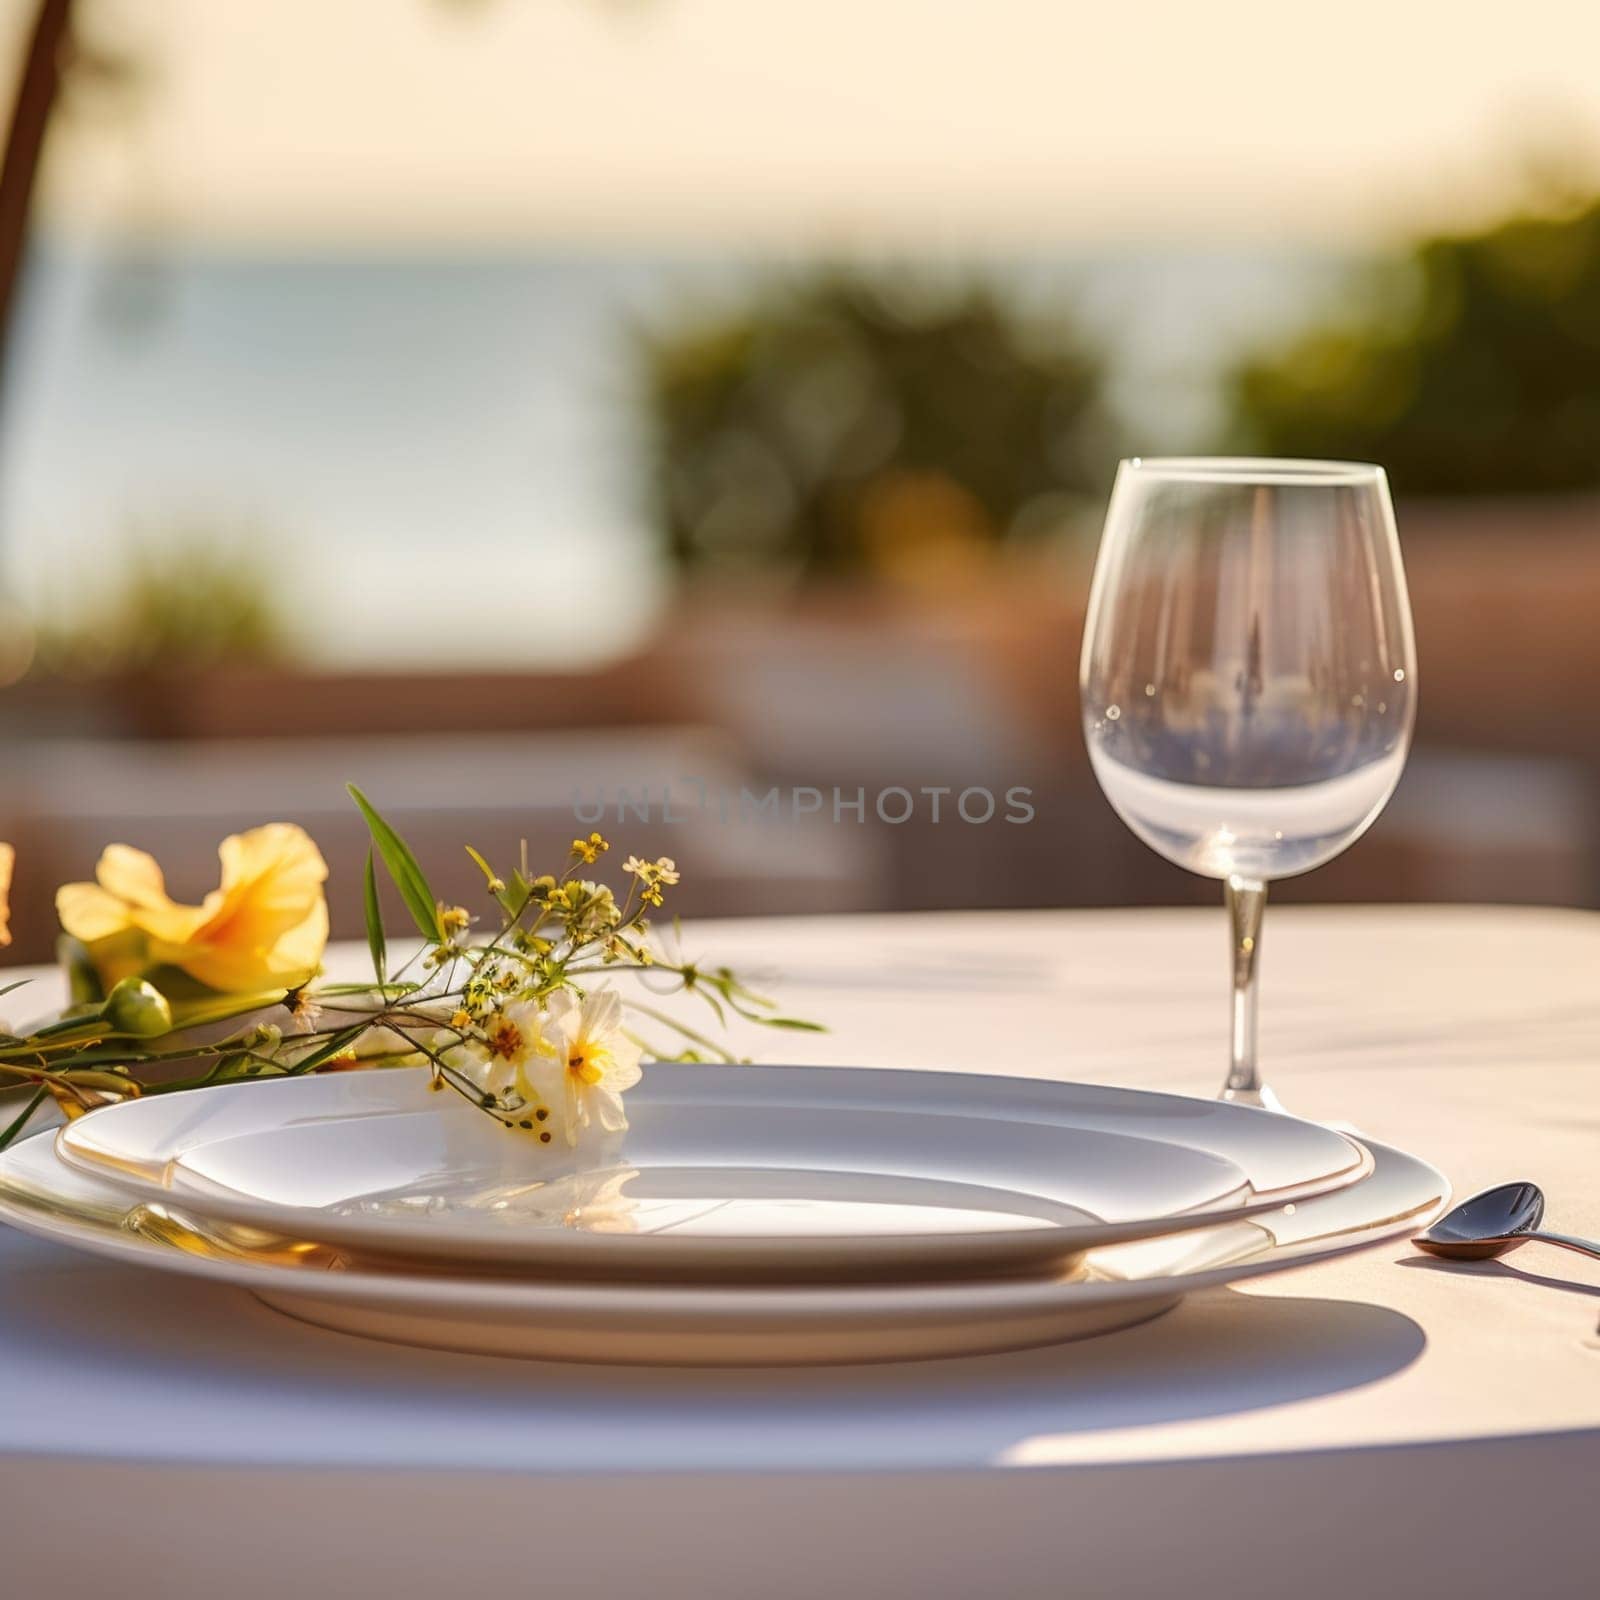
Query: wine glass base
{"x": 1266, "y": 1100}
{"x": 1262, "y": 1097}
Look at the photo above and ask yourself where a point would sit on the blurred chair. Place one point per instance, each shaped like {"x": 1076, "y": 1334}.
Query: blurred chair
{"x": 1463, "y": 826}
{"x": 865, "y": 696}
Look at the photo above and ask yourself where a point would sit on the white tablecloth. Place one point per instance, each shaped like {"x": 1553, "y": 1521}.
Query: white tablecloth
{"x": 1343, "y": 1428}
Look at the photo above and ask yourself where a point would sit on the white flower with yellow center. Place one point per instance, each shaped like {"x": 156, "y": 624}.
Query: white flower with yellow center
{"x": 589, "y": 1062}
{"x": 510, "y": 1061}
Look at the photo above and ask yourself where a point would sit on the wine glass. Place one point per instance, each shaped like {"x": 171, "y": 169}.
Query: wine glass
{"x": 1249, "y": 678}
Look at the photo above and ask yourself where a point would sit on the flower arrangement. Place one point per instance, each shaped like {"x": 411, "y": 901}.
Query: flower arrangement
{"x": 169, "y": 997}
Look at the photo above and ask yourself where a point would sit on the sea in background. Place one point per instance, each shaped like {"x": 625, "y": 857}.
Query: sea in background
{"x": 444, "y": 458}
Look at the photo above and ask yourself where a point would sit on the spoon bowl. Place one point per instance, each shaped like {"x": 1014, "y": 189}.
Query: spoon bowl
{"x": 1486, "y": 1225}
{"x": 1495, "y": 1221}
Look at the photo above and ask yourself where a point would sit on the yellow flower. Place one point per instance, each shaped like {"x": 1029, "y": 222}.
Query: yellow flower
{"x": 8, "y": 857}
{"x": 589, "y": 850}
{"x": 264, "y": 927}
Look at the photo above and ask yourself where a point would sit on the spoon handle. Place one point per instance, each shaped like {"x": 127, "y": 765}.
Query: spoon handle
{"x": 1584, "y": 1247}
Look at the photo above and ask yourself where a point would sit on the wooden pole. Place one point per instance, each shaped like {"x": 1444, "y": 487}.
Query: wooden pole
{"x": 37, "y": 91}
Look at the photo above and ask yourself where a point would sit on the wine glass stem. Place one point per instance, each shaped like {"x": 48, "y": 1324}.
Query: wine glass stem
{"x": 1247, "y": 900}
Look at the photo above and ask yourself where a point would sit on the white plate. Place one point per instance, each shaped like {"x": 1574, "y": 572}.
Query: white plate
{"x": 753, "y": 1172}
{"x": 722, "y": 1325}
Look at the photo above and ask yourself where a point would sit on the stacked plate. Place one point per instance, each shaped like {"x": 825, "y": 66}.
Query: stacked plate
{"x": 749, "y": 1214}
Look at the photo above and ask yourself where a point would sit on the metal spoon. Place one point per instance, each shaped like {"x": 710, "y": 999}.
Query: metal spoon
{"x": 1493, "y": 1222}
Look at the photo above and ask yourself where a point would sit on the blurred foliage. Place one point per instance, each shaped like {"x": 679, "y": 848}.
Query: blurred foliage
{"x": 181, "y": 602}
{"x": 1472, "y": 367}
{"x": 847, "y": 425}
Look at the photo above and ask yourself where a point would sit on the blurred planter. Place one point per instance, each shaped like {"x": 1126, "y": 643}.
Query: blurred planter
{"x": 1505, "y": 595}
{"x": 271, "y": 702}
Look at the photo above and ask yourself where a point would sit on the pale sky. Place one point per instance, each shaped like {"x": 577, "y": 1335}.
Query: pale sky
{"x": 821, "y": 123}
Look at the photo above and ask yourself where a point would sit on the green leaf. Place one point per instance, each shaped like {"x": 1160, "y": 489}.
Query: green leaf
{"x": 382, "y": 991}
{"x": 89, "y": 1023}
{"x": 794, "y": 1024}
{"x": 222, "y": 1070}
{"x": 17, "y": 985}
{"x": 114, "y": 1055}
{"x": 222, "y": 1007}
{"x": 712, "y": 1001}
{"x": 380, "y": 955}
{"x": 514, "y": 900}
{"x": 328, "y": 1049}
{"x": 403, "y": 868}
{"x": 16, "y": 1126}
{"x": 229, "y": 1069}
{"x": 511, "y": 900}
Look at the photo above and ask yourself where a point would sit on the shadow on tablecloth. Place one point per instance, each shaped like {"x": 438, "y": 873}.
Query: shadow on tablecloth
{"x": 110, "y": 1361}
{"x": 1506, "y": 1272}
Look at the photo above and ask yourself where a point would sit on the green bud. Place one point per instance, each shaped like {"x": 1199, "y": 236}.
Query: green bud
{"x": 135, "y": 1006}
{"x": 265, "y": 1037}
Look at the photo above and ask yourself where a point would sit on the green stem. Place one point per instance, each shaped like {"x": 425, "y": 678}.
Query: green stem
{"x": 18, "y": 1124}
{"x": 689, "y": 1033}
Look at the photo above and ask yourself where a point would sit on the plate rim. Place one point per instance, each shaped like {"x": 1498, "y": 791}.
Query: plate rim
{"x": 635, "y": 1257}
{"x": 463, "y": 1293}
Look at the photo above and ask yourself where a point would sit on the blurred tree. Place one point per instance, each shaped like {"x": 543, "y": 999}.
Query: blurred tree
{"x": 846, "y": 426}
{"x": 185, "y": 601}
{"x": 1472, "y": 367}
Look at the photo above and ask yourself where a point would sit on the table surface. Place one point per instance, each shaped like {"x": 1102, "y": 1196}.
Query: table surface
{"x": 1469, "y": 1036}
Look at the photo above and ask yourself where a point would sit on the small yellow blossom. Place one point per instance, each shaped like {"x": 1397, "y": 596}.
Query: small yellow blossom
{"x": 651, "y": 875}
{"x": 454, "y": 919}
{"x": 617, "y": 948}
{"x": 589, "y": 908}
{"x": 8, "y": 858}
{"x": 444, "y": 955}
{"x": 589, "y": 850}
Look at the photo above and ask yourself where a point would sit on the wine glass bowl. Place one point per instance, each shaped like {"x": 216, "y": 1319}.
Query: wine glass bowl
{"x": 1248, "y": 674}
